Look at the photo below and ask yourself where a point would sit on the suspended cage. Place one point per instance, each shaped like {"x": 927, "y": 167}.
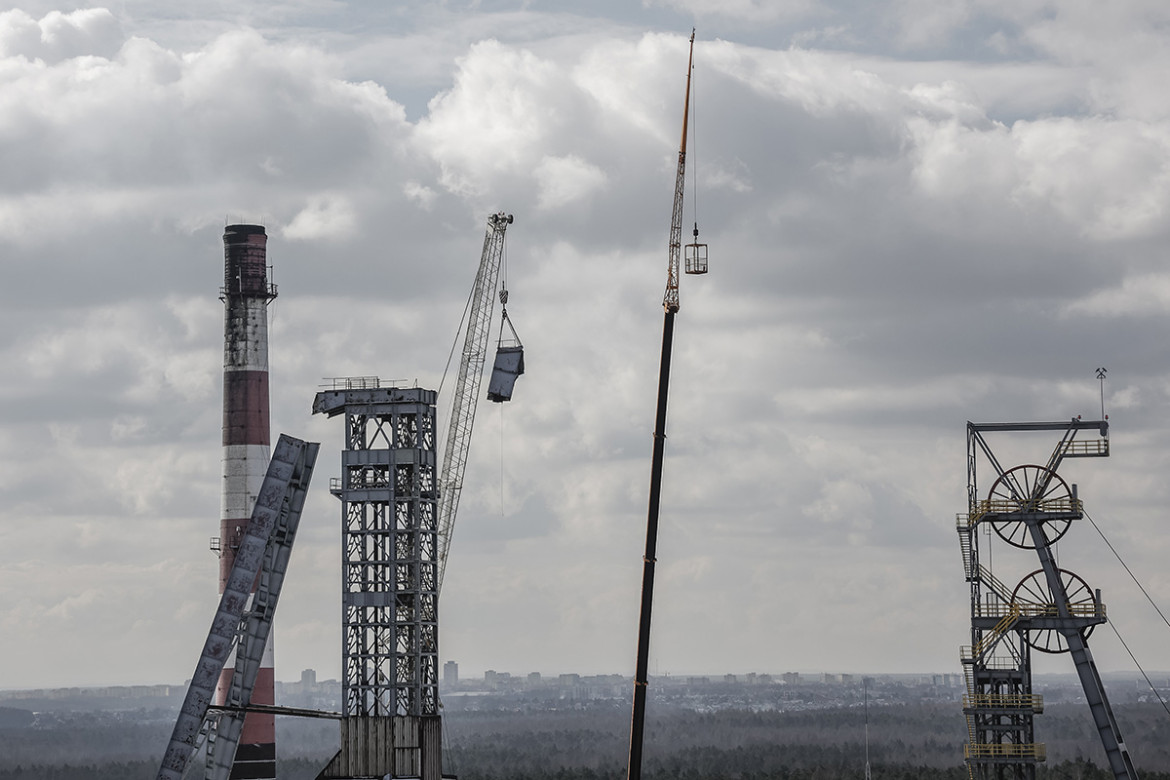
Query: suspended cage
{"x": 695, "y": 255}
{"x": 509, "y": 363}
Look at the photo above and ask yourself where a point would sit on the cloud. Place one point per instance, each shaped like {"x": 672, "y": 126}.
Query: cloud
{"x": 505, "y": 104}
{"x": 563, "y": 180}
{"x": 325, "y": 217}
{"x": 1143, "y": 295}
{"x": 57, "y": 36}
{"x": 898, "y": 244}
{"x": 753, "y": 11}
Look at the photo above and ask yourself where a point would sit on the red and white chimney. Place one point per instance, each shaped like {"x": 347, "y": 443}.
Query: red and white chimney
{"x": 246, "y": 450}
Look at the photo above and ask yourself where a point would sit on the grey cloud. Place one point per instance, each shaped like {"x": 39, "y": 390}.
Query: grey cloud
{"x": 897, "y": 246}
{"x": 57, "y": 36}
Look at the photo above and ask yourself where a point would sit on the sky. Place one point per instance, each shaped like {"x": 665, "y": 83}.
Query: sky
{"x": 918, "y": 214}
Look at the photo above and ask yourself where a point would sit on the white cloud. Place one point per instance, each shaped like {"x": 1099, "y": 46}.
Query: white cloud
{"x": 326, "y": 216}
{"x": 67, "y": 609}
{"x": 59, "y": 36}
{"x": 561, "y": 181}
{"x": 499, "y": 112}
{"x": 1109, "y": 178}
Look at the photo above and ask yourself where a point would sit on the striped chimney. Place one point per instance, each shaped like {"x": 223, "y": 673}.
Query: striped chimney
{"x": 246, "y": 450}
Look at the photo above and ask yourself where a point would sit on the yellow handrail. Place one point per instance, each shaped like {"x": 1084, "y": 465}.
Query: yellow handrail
{"x": 1031, "y": 610}
{"x": 1006, "y": 622}
{"x": 967, "y": 653}
{"x": 1036, "y": 750}
{"x": 1007, "y": 506}
{"x": 1025, "y": 701}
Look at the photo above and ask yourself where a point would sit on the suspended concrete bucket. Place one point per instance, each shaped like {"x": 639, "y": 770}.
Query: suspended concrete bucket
{"x": 509, "y": 365}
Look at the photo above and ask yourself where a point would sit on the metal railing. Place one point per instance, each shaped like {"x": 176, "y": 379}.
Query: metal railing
{"x": 1084, "y": 447}
{"x": 997, "y": 587}
{"x": 967, "y": 655}
{"x": 354, "y": 383}
{"x": 1007, "y": 506}
{"x": 1003, "y": 701}
{"x": 1036, "y": 750}
{"x": 1023, "y": 609}
{"x": 1008, "y": 620}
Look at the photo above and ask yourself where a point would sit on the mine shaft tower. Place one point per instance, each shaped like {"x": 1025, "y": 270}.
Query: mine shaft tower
{"x": 1050, "y": 610}
{"x": 390, "y": 624}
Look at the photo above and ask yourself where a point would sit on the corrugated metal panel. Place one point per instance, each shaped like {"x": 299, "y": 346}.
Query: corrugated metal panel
{"x": 509, "y": 365}
{"x": 432, "y": 751}
{"x": 404, "y": 746}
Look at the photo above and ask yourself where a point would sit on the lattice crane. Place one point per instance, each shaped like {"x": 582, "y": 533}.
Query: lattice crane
{"x": 466, "y": 394}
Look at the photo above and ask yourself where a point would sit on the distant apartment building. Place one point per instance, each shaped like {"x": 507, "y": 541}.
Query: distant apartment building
{"x": 497, "y": 680}
{"x": 791, "y": 678}
{"x": 451, "y": 675}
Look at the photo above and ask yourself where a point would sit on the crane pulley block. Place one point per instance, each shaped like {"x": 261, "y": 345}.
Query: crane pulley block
{"x": 695, "y": 255}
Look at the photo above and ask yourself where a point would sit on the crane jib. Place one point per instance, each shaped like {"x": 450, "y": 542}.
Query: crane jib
{"x": 509, "y": 362}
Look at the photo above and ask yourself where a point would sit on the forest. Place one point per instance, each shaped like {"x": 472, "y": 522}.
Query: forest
{"x": 588, "y": 741}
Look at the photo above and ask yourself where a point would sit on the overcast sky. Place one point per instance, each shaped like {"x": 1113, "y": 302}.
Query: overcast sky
{"x": 919, "y": 212}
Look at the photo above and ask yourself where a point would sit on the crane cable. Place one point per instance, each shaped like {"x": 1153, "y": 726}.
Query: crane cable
{"x": 455, "y": 343}
{"x": 504, "y": 319}
{"x": 1150, "y": 599}
{"x": 694, "y": 150}
{"x": 1128, "y": 570}
{"x": 1149, "y": 682}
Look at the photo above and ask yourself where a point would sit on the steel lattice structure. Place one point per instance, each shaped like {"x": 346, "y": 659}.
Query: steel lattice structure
{"x": 390, "y": 616}
{"x": 1050, "y": 610}
{"x": 466, "y": 395}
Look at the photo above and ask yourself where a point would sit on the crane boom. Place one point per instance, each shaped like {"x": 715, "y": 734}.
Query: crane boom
{"x": 670, "y": 300}
{"x": 671, "y": 305}
{"x": 466, "y": 395}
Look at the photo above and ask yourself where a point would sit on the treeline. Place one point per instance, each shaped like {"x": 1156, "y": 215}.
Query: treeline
{"x": 291, "y": 769}
{"x": 591, "y": 741}
{"x": 708, "y": 768}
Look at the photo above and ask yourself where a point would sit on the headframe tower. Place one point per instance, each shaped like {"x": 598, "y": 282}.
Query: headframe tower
{"x": 1050, "y": 610}
{"x": 390, "y": 724}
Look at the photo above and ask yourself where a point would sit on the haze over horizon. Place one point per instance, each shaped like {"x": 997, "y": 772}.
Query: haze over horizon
{"x": 918, "y": 214}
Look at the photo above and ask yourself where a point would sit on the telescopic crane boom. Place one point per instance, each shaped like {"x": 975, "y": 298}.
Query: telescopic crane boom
{"x": 696, "y": 263}
{"x": 466, "y": 395}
